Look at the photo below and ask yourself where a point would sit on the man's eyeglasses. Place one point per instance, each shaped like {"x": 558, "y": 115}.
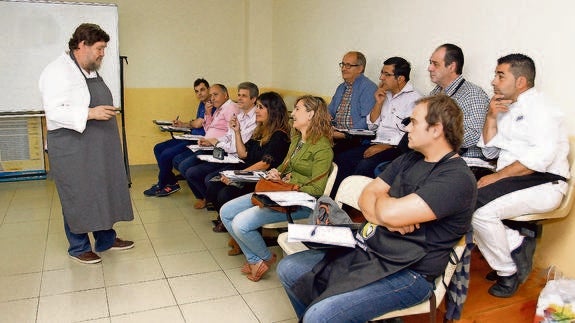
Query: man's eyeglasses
{"x": 387, "y": 74}
{"x": 347, "y": 65}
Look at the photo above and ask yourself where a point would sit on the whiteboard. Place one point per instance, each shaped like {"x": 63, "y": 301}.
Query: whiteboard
{"x": 34, "y": 33}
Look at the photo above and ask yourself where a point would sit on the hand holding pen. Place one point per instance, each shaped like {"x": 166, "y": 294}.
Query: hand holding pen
{"x": 176, "y": 122}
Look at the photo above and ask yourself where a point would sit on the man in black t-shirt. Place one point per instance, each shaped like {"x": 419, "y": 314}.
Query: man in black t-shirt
{"x": 417, "y": 210}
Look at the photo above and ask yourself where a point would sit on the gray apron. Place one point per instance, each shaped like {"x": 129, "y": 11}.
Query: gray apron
{"x": 88, "y": 169}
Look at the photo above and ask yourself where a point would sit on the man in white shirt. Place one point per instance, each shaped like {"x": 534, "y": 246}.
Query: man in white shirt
{"x": 394, "y": 101}
{"x": 527, "y": 134}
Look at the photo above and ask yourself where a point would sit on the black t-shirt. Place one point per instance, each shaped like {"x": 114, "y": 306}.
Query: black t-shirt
{"x": 273, "y": 152}
{"x": 449, "y": 189}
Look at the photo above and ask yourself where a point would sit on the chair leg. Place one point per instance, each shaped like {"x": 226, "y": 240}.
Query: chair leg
{"x": 432, "y": 308}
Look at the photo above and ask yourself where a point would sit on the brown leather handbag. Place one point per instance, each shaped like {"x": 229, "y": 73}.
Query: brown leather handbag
{"x": 266, "y": 185}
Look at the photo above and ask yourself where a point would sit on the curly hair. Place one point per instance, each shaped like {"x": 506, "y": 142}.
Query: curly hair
{"x": 320, "y": 124}
{"x": 89, "y": 34}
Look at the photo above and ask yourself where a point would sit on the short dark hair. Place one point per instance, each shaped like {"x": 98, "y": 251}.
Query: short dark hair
{"x": 453, "y": 54}
{"x": 443, "y": 109}
{"x": 251, "y": 87}
{"x": 199, "y": 81}
{"x": 401, "y": 67}
{"x": 89, "y": 34}
{"x": 520, "y": 65}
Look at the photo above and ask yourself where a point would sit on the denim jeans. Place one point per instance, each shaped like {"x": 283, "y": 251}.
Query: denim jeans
{"x": 80, "y": 242}
{"x": 242, "y": 220}
{"x": 400, "y": 290}
{"x": 165, "y": 153}
{"x": 197, "y": 174}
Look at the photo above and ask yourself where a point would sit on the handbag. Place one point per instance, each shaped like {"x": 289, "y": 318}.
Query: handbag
{"x": 266, "y": 185}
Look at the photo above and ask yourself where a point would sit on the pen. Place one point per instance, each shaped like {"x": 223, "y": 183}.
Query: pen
{"x": 177, "y": 118}
{"x": 313, "y": 232}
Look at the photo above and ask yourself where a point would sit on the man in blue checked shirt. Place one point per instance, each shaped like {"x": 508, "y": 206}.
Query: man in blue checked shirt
{"x": 445, "y": 70}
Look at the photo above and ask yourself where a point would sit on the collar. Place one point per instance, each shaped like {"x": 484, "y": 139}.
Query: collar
{"x": 450, "y": 89}
{"x": 408, "y": 87}
{"x": 251, "y": 113}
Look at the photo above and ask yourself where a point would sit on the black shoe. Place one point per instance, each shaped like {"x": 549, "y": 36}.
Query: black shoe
{"x": 180, "y": 177}
{"x": 523, "y": 258}
{"x": 506, "y": 286}
{"x": 216, "y": 221}
{"x": 492, "y": 276}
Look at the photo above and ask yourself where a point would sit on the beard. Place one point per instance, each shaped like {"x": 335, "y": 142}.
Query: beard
{"x": 94, "y": 65}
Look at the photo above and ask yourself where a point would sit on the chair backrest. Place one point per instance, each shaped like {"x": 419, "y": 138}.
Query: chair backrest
{"x": 567, "y": 203}
{"x": 350, "y": 189}
{"x": 331, "y": 179}
{"x": 441, "y": 282}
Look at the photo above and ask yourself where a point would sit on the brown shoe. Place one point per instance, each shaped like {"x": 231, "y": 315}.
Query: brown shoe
{"x": 200, "y": 204}
{"x": 87, "y": 257}
{"x": 220, "y": 227}
{"x": 120, "y": 244}
{"x": 236, "y": 250}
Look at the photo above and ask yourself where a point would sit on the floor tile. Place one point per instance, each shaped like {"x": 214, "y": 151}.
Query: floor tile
{"x": 138, "y": 297}
{"x": 270, "y": 305}
{"x": 199, "y": 287}
{"x": 132, "y": 271}
{"x": 188, "y": 263}
{"x": 18, "y": 287}
{"x": 168, "y": 314}
{"x": 176, "y": 244}
{"x": 22, "y": 311}
{"x": 236, "y": 310}
{"x": 73, "y": 307}
{"x": 78, "y": 277}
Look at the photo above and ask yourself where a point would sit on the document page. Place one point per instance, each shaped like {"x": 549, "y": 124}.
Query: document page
{"x": 290, "y": 198}
{"x": 326, "y": 234}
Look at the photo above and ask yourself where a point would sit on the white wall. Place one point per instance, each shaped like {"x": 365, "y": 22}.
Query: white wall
{"x": 310, "y": 38}
{"x": 171, "y": 43}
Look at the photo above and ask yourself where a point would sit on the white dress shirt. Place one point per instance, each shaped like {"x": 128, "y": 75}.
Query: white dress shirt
{"x": 394, "y": 110}
{"x": 531, "y": 132}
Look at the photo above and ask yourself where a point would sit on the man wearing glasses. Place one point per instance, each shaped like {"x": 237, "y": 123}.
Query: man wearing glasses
{"x": 394, "y": 101}
{"x": 351, "y": 104}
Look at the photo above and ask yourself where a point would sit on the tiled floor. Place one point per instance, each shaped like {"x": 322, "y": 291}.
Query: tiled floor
{"x": 179, "y": 270}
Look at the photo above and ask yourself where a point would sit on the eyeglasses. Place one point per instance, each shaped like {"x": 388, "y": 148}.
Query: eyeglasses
{"x": 347, "y": 65}
{"x": 387, "y": 74}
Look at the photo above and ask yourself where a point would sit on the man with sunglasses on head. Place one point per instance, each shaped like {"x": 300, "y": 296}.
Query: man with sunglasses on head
{"x": 394, "y": 101}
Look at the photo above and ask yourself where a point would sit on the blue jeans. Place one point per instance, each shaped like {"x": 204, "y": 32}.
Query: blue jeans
{"x": 80, "y": 242}
{"x": 165, "y": 153}
{"x": 400, "y": 290}
{"x": 242, "y": 220}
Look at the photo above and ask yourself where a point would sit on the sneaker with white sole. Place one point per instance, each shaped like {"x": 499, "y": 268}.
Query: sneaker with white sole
{"x": 120, "y": 244}
{"x": 87, "y": 257}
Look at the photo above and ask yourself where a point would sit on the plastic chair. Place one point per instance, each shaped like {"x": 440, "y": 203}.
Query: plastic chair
{"x": 430, "y": 306}
{"x": 348, "y": 193}
{"x": 530, "y": 224}
{"x": 326, "y": 191}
